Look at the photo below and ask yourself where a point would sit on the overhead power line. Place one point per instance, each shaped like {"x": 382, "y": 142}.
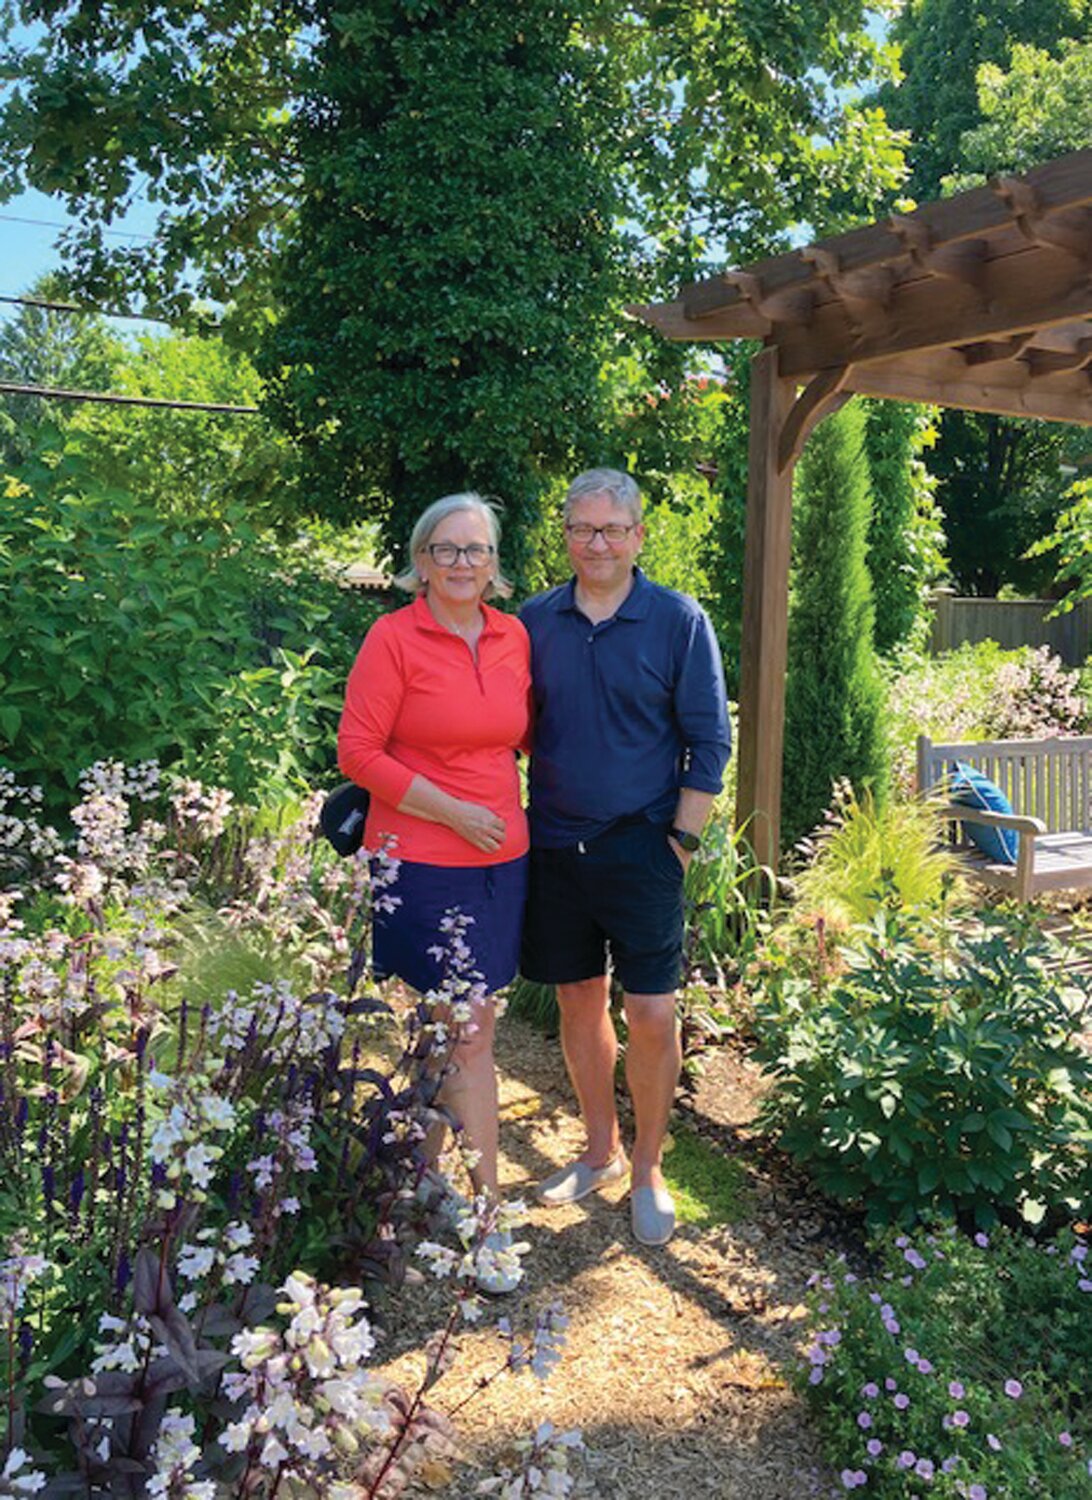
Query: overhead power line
{"x": 72, "y": 307}
{"x": 121, "y": 234}
{"x": 52, "y": 393}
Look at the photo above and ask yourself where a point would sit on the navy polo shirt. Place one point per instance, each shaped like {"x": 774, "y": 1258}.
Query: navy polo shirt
{"x": 626, "y": 711}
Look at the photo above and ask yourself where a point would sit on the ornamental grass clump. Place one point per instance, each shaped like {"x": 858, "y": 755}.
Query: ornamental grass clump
{"x": 958, "y": 1370}
{"x": 186, "y": 1172}
{"x": 934, "y": 1070}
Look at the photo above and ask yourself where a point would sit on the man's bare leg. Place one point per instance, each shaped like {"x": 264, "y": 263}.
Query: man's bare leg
{"x": 653, "y": 1063}
{"x": 590, "y": 1047}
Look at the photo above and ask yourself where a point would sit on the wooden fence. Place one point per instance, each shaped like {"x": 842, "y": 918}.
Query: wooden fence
{"x": 1011, "y": 623}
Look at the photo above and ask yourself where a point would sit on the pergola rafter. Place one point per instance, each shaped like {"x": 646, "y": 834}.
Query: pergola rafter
{"x": 982, "y": 301}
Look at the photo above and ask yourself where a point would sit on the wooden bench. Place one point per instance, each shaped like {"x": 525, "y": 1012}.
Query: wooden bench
{"x": 1049, "y": 784}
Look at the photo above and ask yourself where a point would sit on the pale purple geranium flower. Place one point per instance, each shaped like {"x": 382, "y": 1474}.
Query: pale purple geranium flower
{"x": 902, "y": 1401}
{"x": 1014, "y": 1389}
{"x": 955, "y": 1390}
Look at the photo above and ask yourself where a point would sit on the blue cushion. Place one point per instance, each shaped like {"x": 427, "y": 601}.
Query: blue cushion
{"x": 972, "y": 789}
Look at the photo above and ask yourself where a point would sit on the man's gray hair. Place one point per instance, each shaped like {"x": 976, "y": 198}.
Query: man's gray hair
{"x": 427, "y": 522}
{"x": 622, "y": 488}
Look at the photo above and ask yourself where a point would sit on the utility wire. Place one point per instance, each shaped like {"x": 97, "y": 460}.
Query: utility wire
{"x": 72, "y": 307}
{"x": 52, "y": 393}
{"x": 121, "y": 234}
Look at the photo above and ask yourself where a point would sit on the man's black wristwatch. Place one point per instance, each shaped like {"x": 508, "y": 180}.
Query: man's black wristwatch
{"x": 685, "y": 840}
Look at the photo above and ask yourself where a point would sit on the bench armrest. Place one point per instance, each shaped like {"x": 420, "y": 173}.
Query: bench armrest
{"x": 1017, "y": 822}
{"x": 1028, "y": 828}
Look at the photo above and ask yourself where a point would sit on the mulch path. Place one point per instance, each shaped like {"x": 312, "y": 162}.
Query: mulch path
{"x": 675, "y": 1365}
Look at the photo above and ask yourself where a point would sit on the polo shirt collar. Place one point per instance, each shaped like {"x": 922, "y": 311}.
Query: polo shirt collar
{"x": 634, "y": 606}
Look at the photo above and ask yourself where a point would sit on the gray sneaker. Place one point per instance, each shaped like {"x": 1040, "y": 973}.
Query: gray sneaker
{"x": 577, "y": 1180}
{"x": 652, "y": 1212}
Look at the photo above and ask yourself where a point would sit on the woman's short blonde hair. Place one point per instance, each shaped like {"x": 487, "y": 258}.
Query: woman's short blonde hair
{"x": 426, "y": 524}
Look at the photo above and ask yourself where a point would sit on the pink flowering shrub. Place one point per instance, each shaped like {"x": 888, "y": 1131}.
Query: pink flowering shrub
{"x": 979, "y": 693}
{"x": 187, "y": 1171}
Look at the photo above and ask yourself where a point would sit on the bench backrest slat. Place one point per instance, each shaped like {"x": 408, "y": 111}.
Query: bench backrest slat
{"x": 1048, "y": 779}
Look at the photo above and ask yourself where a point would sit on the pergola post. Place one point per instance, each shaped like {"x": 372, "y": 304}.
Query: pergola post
{"x": 764, "y": 643}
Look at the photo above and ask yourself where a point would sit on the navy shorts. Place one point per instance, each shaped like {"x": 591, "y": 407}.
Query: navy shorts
{"x": 621, "y": 892}
{"x": 492, "y": 895}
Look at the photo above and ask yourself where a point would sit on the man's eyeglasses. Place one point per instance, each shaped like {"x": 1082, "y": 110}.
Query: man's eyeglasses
{"x": 447, "y": 554}
{"x": 582, "y": 533}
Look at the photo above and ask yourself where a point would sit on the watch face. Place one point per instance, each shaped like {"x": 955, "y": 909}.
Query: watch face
{"x": 687, "y": 841}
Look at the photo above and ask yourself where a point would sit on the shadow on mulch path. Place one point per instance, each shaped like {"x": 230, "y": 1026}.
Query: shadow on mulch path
{"x": 675, "y": 1366}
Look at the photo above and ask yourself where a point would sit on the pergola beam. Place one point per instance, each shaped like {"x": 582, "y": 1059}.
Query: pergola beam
{"x": 1058, "y": 186}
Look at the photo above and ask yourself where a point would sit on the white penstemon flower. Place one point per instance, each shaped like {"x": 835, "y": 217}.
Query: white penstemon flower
{"x": 17, "y": 1272}
{"x": 17, "y": 1479}
{"x": 223, "y": 1250}
{"x": 177, "y": 1141}
{"x": 174, "y": 1456}
{"x": 129, "y": 1352}
{"x": 544, "y": 1469}
{"x": 307, "y": 1393}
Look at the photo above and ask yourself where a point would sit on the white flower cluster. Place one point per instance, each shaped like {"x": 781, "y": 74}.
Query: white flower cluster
{"x": 543, "y": 1354}
{"x": 308, "y": 1395}
{"x": 275, "y": 1019}
{"x": 17, "y": 1272}
{"x": 21, "y": 832}
{"x": 17, "y": 1480}
{"x": 544, "y": 1469}
{"x": 177, "y": 1141}
{"x": 222, "y": 1251}
{"x": 488, "y": 1251}
{"x": 174, "y": 1456}
{"x": 129, "y": 1352}
{"x": 104, "y": 817}
{"x": 204, "y": 810}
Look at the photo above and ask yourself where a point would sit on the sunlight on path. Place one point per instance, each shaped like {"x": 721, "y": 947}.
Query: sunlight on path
{"x": 671, "y": 1367}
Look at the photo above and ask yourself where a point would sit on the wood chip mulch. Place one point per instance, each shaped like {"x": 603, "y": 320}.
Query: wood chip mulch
{"x": 675, "y": 1365}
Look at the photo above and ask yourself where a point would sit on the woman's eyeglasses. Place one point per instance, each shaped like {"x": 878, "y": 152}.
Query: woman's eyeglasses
{"x": 582, "y": 533}
{"x": 447, "y": 554}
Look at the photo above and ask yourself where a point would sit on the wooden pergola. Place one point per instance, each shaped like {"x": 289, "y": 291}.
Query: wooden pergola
{"x": 982, "y": 301}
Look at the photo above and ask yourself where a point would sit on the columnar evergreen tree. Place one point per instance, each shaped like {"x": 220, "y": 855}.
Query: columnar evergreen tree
{"x": 834, "y": 695}
{"x": 905, "y": 533}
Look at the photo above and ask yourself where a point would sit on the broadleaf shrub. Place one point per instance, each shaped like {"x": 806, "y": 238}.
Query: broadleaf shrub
{"x": 937, "y": 1072}
{"x": 124, "y": 635}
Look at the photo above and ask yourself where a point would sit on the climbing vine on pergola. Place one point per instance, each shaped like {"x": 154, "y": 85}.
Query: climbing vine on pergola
{"x": 982, "y": 301}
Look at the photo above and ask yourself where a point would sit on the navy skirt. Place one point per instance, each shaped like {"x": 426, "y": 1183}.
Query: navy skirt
{"x": 450, "y": 920}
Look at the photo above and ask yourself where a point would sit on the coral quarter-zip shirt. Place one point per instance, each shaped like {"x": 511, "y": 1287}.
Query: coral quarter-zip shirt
{"x": 420, "y": 702}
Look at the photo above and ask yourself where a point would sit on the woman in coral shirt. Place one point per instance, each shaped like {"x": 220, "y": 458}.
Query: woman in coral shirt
{"x": 435, "y": 709}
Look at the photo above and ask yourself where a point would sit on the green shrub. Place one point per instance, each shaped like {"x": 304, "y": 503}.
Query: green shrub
{"x": 834, "y": 695}
{"x": 960, "y": 1370}
{"x": 937, "y": 1073}
{"x": 127, "y": 636}
{"x": 866, "y": 856}
{"x": 906, "y": 531}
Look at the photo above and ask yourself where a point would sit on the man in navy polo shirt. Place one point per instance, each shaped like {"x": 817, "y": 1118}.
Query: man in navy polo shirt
{"x": 631, "y": 739}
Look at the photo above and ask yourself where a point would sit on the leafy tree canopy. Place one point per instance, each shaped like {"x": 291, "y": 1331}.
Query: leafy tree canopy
{"x": 943, "y": 44}
{"x": 724, "y": 122}
{"x": 427, "y": 214}
{"x": 1039, "y": 109}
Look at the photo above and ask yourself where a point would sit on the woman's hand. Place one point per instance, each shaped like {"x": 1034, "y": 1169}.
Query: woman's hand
{"x": 478, "y": 825}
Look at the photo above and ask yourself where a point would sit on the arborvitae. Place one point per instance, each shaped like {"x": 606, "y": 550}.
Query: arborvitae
{"x": 905, "y": 533}
{"x": 834, "y": 704}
